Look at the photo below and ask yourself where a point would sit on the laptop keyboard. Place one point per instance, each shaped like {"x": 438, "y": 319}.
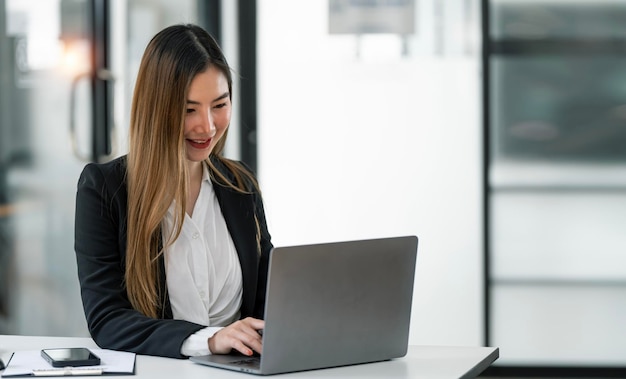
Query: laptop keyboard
{"x": 248, "y": 362}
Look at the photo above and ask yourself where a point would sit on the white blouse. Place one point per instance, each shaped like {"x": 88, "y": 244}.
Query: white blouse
{"x": 202, "y": 270}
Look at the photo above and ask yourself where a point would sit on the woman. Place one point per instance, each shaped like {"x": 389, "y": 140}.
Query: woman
{"x": 171, "y": 240}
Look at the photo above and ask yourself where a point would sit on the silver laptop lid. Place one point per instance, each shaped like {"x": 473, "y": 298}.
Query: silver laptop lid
{"x": 338, "y": 303}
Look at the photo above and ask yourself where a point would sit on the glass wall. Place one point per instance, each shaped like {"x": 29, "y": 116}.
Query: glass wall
{"x": 45, "y": 126}
{"x": 39, "y": 166}
{"x": 369, "y": 127}
{"x": 557, "y": 182}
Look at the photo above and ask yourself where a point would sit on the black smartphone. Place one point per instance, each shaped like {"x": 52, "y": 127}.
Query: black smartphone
{"x": 74, "y": 356}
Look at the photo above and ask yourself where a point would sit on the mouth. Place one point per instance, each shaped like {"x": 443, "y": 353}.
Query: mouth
{"x": 199, "y": 144}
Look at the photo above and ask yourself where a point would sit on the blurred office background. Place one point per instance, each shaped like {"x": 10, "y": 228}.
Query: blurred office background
{"x": 495, "y": 130}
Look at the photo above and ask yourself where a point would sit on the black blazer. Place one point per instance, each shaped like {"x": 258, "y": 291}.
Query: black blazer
{"x": 100, "y": 245}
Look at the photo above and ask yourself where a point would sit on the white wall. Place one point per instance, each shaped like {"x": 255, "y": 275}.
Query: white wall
{"x": 375, "y": 146}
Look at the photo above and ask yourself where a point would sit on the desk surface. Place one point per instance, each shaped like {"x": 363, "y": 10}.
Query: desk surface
{"x": 421, "y": 361}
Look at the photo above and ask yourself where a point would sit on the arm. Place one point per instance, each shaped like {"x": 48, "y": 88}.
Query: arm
{"x": 100, "y": 244}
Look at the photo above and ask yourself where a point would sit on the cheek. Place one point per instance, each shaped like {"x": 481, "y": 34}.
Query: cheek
{"x": 191, "y": 122}
{"x": 222, "y": 120}
{"x": 188, "y": 125}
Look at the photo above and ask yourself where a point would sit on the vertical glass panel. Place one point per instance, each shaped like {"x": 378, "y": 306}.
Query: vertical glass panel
{"x": 40, "y": 166}
{"x": 45, "y": 133}
{"x": 375, "y": 134}
{"x": 557, "y": 180}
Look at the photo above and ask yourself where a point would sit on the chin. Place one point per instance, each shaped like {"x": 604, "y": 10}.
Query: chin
{"x": 198, "y": 157}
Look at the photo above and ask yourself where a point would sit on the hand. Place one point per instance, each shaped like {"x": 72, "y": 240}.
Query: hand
{"x": 241, "y": 335}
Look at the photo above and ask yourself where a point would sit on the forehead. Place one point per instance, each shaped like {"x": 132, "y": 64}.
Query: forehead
{"x": 208, "y": 85}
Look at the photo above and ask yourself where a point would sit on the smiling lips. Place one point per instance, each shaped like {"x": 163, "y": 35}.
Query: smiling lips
{"x": 199, "y": 144}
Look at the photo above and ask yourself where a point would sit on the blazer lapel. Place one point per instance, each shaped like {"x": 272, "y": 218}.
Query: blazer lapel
{"x": 238, "y": 210}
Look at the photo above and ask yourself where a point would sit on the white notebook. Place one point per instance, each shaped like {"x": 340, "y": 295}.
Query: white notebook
{"x": 30, "y": 362}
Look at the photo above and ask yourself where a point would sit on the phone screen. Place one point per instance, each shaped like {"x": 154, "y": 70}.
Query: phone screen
{"x": 70, "y": 357}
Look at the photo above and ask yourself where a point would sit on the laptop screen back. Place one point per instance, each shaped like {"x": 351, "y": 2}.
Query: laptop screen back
{"x": 338, "y": 303}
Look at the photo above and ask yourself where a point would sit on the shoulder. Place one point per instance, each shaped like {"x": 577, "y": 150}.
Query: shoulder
{"x": 226, "y": 165}
{"x": 234, "y": 171}
{"x": 109, "y": 174}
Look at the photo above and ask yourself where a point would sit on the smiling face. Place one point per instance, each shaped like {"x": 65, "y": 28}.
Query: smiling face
{"x": 208, "y": 112}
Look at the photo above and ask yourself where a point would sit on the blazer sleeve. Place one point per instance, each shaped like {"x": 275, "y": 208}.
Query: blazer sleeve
{"x": 100, "y": 246}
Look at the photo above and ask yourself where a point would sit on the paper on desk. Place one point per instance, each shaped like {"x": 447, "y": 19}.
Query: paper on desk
{"x": 23, "y": 363}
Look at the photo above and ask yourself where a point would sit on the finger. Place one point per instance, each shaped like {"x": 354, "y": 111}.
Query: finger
{"x": 249, "y": 337}
{"x": 254, "y": 342}
{"x": 245, "y": 339}
{"x": 251, "y": 327}
{"x": 246, "y": 330}
{"x": 242, "y": 348}
{"x": 254, "y": 323}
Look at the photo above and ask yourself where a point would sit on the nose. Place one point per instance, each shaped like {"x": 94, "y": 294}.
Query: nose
{"x": 208, "y": 123}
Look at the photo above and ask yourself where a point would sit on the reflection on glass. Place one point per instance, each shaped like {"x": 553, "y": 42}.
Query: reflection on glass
{"x": 559, "y": 108}
{"x": 557, "y": 19}
{"x": 557, "y": 192}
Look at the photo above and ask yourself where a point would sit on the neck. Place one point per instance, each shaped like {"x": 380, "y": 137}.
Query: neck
{"x": 195, "y": 171}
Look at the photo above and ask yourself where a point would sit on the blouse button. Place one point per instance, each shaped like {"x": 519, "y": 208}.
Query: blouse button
{"x": 195, "y": 236}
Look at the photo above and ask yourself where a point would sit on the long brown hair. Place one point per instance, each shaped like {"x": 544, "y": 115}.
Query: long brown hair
{"x": 157, "y": 170}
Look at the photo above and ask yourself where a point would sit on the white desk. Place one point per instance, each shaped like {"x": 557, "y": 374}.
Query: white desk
{"x": 420, "y": 362}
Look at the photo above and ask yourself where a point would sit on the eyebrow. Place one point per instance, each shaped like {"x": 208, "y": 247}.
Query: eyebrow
{"x": 220, "y": 97}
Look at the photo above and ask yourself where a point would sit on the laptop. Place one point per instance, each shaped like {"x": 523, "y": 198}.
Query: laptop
{"x": 333, "y": 304}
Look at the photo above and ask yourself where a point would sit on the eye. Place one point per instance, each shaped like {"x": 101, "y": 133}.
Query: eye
{"x": 190, "y": 110}
{"x": 220, "y": 105}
